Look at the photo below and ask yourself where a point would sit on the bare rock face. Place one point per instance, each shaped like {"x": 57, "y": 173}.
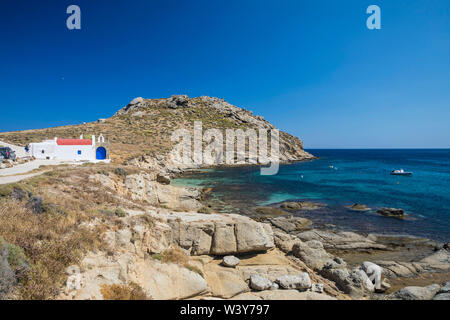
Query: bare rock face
{"x": 220, "y": 234}
{"x": 312, "y": 254}
{"x": 144, "y": 187}
{"x": 341, "y": 240}
{"x": 285, "y": 242}
{"x": 224, "y": 282}
{"x": 436, "y": 262}
{"x": 415, "y": 293}
{"x": 440, "y": 260}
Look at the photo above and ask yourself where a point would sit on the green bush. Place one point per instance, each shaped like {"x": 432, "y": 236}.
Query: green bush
{"x": 120, "y": 172}
{"x": 120, "y": 212}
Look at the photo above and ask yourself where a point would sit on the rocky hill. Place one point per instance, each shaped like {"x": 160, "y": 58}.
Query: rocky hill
{"x": 144, "y": 127}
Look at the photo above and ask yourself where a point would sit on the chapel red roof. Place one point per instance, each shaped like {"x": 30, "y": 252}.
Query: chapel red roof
{"x": 73, "y": 142}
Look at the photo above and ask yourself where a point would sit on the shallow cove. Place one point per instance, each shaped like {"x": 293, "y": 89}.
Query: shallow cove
{"x": 340, "y": 178}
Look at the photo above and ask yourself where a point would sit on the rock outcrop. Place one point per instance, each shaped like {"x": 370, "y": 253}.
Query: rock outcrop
{"x": 415, "y": 293}
{"x": 341, "y": 240}
{"x": 220, "y": 234}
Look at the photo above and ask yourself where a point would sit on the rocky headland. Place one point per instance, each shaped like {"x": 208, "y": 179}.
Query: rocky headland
{"x": 123, "y": 231}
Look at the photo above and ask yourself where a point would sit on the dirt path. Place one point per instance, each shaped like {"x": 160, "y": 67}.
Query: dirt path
{"x": 22, "y": 171}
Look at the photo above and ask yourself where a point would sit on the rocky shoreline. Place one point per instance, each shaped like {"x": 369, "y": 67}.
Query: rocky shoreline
{"x": 161, "y": 241}
{"x": 231, "y": 256}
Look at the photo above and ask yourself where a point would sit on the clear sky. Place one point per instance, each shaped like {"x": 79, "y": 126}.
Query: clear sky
{"x": 310, "y": 67}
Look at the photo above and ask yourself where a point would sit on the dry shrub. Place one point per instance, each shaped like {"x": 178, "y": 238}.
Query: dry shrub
{"x": 175, "y": 255}
{"x": 131, "y": 291}
{"x": 51, "y": 242}
{"x": 178, "y": 256}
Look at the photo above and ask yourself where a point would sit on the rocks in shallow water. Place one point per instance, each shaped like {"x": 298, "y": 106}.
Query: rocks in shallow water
{"x": 230, "y": 261}
{"x": 392, "y": 212}
{"x": 301, "y": 281}
{"x": 270, "y": 211}
{"x": 359, "y": 207}
{"x": 415, "y": 293}
{"x": 260, "y": 283}
{"x": 301, "y": 205}
{"x": 290, "y": 224}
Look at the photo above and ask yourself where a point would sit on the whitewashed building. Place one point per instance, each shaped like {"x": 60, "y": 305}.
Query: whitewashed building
{"x": 71, "y": 149}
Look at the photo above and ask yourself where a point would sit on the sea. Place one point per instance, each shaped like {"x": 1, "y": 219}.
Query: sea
{"x": 339, "y": 178}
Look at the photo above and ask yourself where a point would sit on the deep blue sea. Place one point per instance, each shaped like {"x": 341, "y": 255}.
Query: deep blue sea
{"x": 343, "y": 177}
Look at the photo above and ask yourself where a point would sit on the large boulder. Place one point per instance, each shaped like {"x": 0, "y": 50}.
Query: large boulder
{"x": 442, "y": 296}
{"x": 391, "y": 212}
{"x": 230, "y": 261}
{"x": 311, "y": 253}
{"x": 224, "y": 282}
{"x": 415, "y": 293}
{"x": 284, "y": 241}
{"x": 260, "y": 283}
{"x": 440, "y": 260}
{"x": 301, "y": 281}
{"x": 220, "y": 234}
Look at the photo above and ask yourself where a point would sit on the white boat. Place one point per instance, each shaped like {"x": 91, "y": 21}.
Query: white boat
{"x": 401, "y": 172}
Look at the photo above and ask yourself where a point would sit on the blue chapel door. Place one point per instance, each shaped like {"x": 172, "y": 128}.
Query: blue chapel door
{"x": 101, "y": 153}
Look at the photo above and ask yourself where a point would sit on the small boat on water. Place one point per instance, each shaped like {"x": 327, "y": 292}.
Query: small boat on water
{"x": 401, "y": 172}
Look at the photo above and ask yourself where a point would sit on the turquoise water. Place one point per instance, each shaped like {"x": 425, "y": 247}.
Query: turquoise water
{"x": 360, "y": 176}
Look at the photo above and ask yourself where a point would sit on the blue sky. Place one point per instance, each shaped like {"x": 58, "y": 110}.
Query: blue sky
{"x": 310, "y": 67}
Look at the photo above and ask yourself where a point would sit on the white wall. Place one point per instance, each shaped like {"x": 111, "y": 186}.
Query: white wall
{"x": 71, "y": 153}
{"x": 48, "y": 148}
{"x": 54, "y": 151}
